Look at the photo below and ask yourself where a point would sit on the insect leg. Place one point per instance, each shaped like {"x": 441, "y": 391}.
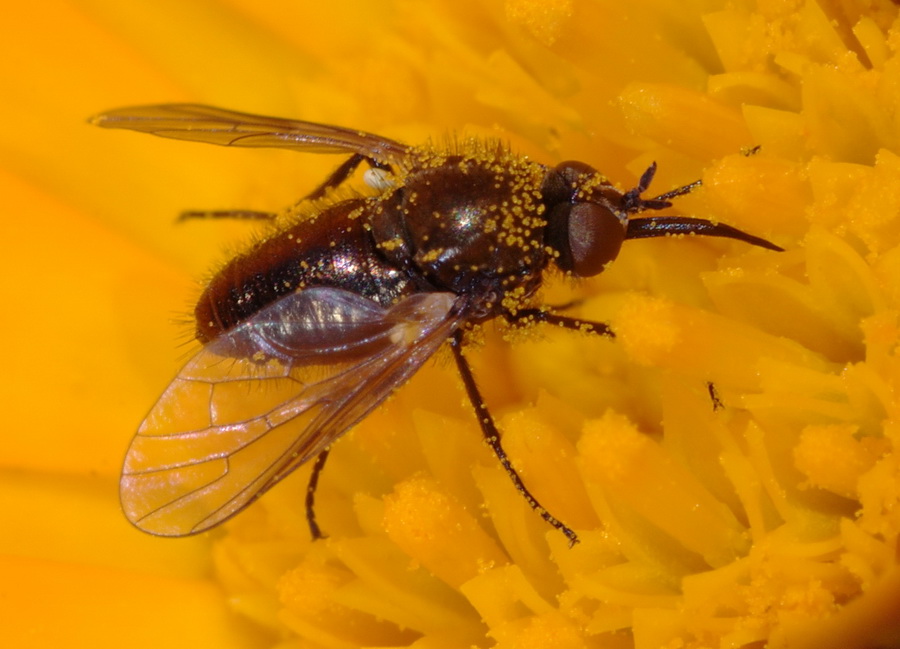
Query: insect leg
{"x": 249, "y": 215}
{"x": 714, "y": 395}
{"x": 318, "y": 465}
{"x": 531, "y": 316}
{"x": 341, "y": 174}
{"x": 492, "y": 436}
{"x": 338, "y": 176}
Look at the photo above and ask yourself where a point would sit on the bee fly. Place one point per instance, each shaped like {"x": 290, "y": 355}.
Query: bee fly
{"x": 337, "y": 310}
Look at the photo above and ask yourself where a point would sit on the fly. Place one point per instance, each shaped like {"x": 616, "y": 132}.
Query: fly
{"x": 335, "y": 311}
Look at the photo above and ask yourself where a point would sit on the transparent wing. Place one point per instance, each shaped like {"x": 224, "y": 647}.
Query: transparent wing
{"x": 261, "y": 400}
{"x": 231, "y": 128}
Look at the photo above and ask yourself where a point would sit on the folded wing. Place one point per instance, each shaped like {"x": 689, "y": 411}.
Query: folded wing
{"x": 269, "y": 395}
{"x": 212, "y": 125}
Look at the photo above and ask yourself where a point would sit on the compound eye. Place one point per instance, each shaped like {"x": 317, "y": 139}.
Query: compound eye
{"x": 594, "y": 237}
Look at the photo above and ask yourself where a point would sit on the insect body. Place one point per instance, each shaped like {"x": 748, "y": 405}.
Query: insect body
{"x": 335, "y": 311}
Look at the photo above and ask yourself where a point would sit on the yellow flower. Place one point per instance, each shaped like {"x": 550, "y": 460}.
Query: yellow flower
{"x": 729, "y": 462}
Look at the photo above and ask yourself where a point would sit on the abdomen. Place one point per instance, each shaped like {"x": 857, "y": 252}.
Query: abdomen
{"x": 330, "y": 249}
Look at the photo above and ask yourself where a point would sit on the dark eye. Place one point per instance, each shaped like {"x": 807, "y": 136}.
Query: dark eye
{"x": 587, "y": 236}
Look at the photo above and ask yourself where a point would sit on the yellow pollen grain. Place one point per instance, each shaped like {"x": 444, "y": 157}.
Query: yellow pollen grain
{"x": 832, "y": 458}
{"x": 435, "y": 530}
{"x": 391, "y": 244}
{"x": 541, "y": 632}
{"x": 309, "y": 595}
{"x": 629, "y": 468}
{"x": 305, "y": 589}
{"x": 706, "y": 346}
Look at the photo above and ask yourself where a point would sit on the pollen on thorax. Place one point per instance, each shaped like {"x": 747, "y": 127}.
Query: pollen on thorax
{"x": 391, "y": 244}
